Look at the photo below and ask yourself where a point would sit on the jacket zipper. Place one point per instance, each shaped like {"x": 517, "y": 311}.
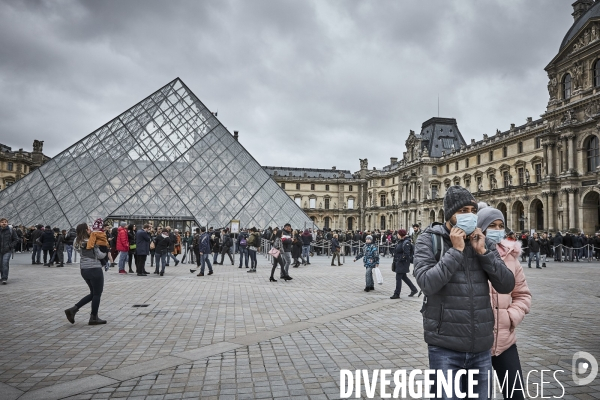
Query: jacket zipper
{"x": 496, "y": 324}
{"x": 471, "y": 301}
{"x": 441, "y": 316}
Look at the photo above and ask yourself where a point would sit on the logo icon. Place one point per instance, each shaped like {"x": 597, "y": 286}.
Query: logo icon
{"x": 582, "y": 362}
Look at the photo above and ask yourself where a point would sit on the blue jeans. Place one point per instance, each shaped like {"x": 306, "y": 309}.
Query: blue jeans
{"x": 205, "y": 260}
{"x": 124, "y": 255}
{"x": 306, "y": 253}
{"x": 537, "y": 258}
{"x": 369, "y": 277}
{"x": 36, "y": 253}
{"x": 252, "y": 255}
{"x": 215, "y": 257}
{"x": 69, "y": 249}
{"x": 160, "y": 258}
{"x": 450, "y": 360}
{"x": 5, "y": 259}
{"x": 243, "y": 254}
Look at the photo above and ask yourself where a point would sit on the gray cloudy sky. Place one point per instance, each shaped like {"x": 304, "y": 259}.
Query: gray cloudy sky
{"x": 307, "y": 83}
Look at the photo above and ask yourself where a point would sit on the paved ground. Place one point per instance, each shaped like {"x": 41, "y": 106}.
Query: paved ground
{"x": 236, "y": 335}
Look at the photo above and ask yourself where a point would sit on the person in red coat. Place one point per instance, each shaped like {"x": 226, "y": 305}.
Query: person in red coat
{"x": 123, "y": 247}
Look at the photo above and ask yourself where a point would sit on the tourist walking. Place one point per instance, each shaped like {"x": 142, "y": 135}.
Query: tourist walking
{"x": 509, "y": 309}
{"x": 370, "y": 256}
{"x": 47, "y": 242}
{"x": 335, "y": 249}
{"x": 91, "y": 272}
{"x": 307, "y": 239}
{"x": 534, "y": 250}
{"x": 142, "y": 250}
{"x": 8, "y": 241}
{"x": 278, "y": 259}
{"x": 122, "y": 246}
{"x": 253, "y": 247}
{"x": 286, "y": 240}
{"x": 162, "y": 245}
{"x": 204, "y": 252}
{"x": 37, "y": 245}
{"x": 131, "y": 228}
{"x": 403, "y": 257}
{"x": 226, "y": 244}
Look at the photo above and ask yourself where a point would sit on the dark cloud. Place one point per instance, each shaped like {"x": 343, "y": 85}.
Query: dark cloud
{"x": 307, "y": 83}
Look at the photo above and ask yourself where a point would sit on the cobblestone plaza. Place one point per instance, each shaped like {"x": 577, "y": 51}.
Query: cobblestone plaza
{"x": 235, "y": 335}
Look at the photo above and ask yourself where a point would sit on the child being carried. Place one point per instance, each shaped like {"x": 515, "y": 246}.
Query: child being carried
{"x": 98, "y": 238}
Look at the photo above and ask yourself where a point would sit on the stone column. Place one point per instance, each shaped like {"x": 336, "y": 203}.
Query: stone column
{"x": 572, "y": 222}
{"x": 551, "y": 159}
{"x": 546, "y": 151}
{"x": 565, "y": 206}
{"x": 565, "y": 154}
{"x": 569, "y": 154}
{"x": 552, "y": 212}
{"x": 545, "y": 196}
{"x": 572, "y": 153}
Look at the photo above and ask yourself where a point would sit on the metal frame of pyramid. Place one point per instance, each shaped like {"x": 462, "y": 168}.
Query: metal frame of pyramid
{"x": 166, "y": 157}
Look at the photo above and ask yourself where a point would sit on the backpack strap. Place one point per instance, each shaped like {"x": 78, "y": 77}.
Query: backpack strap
{"x": 438, "y": 246}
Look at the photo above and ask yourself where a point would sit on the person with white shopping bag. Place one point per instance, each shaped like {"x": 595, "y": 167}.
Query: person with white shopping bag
{"x": 370, "y": 256}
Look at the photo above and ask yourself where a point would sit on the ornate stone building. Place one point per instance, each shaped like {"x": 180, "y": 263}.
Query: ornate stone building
{"x": 16, "y": 164}
{"x": 542, "y": 175}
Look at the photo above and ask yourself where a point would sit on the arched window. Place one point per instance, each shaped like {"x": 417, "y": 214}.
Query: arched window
{"x": 567, "y": 86}
{"x": 597, "y": 73}
{"x": 593, "y": 154}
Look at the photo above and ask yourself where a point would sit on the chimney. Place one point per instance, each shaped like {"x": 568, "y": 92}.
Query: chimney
{"x": 235, "y": 135}
{"x": 580, "y": 7}
{"x": 393, "y": 160}
{"x": 333, "y": 168}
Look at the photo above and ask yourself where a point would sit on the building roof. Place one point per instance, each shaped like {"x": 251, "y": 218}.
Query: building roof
{"x": 441, "y": 135}
{"x": 592, "y": 12}
{"x": 307, "y": 172}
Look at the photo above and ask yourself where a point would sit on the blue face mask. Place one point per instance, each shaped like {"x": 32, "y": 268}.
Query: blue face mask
{"x": 495, "y": 235}
{"x": 466, "y": 222}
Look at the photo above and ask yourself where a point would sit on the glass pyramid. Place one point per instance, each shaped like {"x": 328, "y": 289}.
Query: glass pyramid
{"x": 166, "y": 157}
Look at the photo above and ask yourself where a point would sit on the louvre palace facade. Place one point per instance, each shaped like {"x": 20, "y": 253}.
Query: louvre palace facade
{"x": 542, "y": 174}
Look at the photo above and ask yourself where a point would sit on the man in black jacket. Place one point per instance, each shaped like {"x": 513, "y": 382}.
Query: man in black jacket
{"x": 558, "y": 241}
{"x": 403, "y": 253}
{"x": 534, "y": 250}
{"x": 37, "y": 247}
{"x": 69, "y": 238}
{"x": 568, "y": 246}
{"x": 453, "y": 264}
{"x": 8, "y": 241}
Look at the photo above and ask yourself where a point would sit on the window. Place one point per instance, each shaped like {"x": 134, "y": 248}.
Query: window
{"x": 478, "y": 159}
{"x": 506, "y": 176}
{"x": 447, "y": 168}
{"x": 383, "y": 182}
{"x": 382, "y": 200}
{"x": 350, "y": 204}
{"x": 283, "y": 185}
{"x": 297, "y": 186}
{"x": 327, "y": 187}
{"x": 478, "y": 182}
{"x": 538, "y": 172}
{"x": 298, "y": 201}
{"x": 566, "y": 86}
{"x": 538, "y": 142}
{"x": 312, "y": 203}
{"x": 593, "y": 155}
{"x": 327, "y": 204}
{"x": 434, "y": 191}
{"x": 447, "y": 185}
{"x": 9, "y": 166}
{"x": 433, "y": 170}
{"x": 393, "y": 180}
{"x": 466, "y": 163}
{"x": 561, "y": 161}
{"x": 9, "y": 183}
{"x": 312, "y": 186}
{"x": 456, "y": 166}
{"x": 505, "y": 152}
{"x": 491, "y": 155}
{"x": 521, "y": 176}
{"x": 327, "y": 222}
{"x": 350, "y": 188}
{"x": 520, "y": 147}
{"x": 597, "y": 73}
{"x": 467, "y": 183}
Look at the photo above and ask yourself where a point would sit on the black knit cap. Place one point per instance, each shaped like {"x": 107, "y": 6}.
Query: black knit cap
{"x": 456, "y": 198}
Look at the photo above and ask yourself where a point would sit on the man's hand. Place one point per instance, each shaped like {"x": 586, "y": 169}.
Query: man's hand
{"x": 457, "y": 237}
{"x": 478, "y": 241}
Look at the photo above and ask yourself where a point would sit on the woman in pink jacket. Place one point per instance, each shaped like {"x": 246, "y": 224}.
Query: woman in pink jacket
{"x": 509, "y": 309}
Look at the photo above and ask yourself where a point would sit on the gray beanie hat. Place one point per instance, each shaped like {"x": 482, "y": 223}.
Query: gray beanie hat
{"x": 456, "y": 198}
{"x": 486, "y": 215}
{"x": 369, "y": 237}
{"x": 123, "y": 224}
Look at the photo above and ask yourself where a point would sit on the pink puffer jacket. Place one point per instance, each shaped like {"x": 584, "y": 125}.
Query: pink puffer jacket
{"x": 509, "y": 309}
